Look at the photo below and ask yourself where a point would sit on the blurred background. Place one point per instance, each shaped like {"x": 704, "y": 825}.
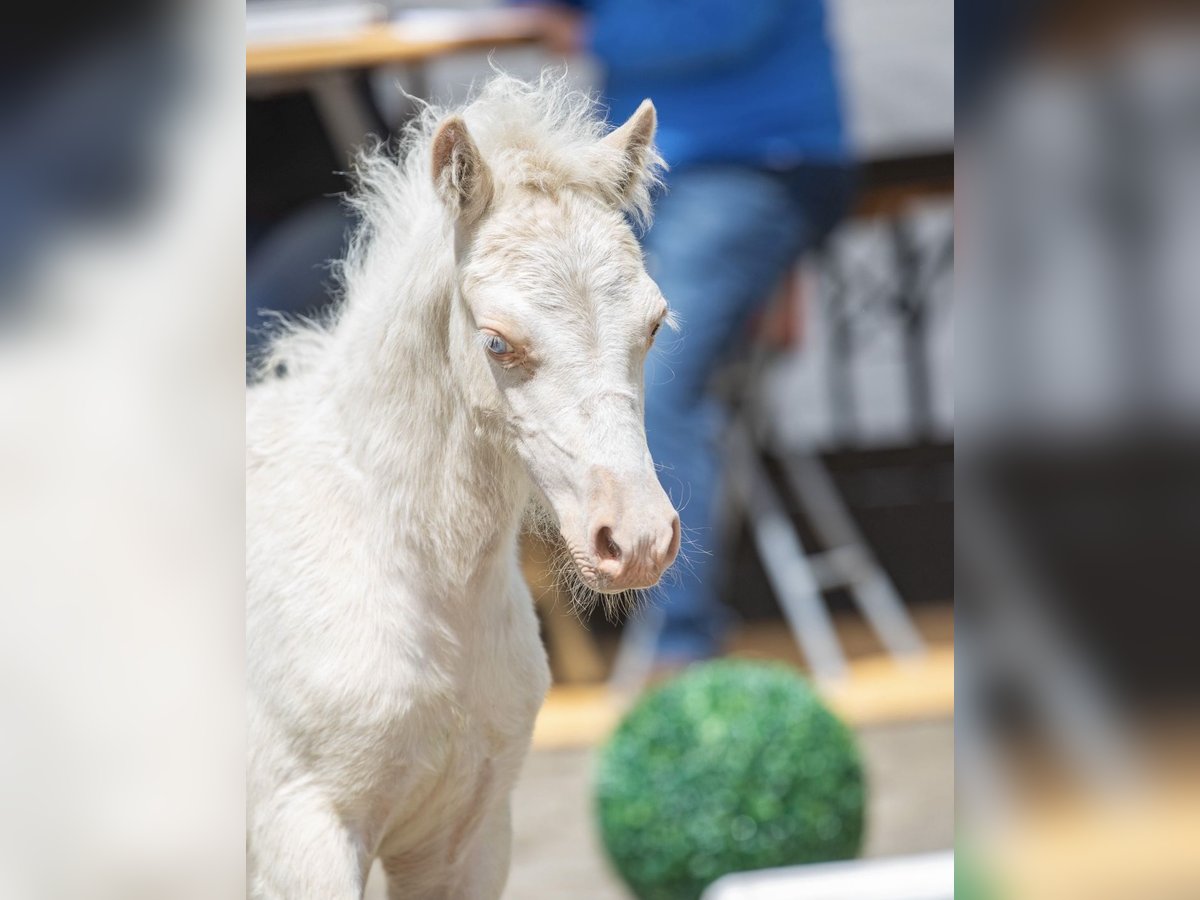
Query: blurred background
{"x": 1076, "y": 447}
{"x": 830, "y": 542}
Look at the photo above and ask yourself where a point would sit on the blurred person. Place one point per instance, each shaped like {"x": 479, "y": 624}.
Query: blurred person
{"x": 751, "y": 126}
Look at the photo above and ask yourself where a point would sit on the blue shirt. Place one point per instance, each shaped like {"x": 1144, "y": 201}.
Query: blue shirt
{"x": 749, "y": 81}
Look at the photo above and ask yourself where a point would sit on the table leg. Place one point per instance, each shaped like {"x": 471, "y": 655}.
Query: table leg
{"x": 348, "y": 116}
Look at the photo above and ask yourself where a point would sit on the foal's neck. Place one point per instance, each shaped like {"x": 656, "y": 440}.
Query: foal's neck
{"x": 455, "y": 489}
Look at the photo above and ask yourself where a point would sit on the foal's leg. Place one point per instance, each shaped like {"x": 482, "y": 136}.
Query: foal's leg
{"x": 299, "y": 848}
{"x": 485, "y": 869}
{"x": 480, "y": 874}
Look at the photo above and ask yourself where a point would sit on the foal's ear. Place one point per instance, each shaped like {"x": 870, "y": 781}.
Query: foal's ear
{"x": 460, "y": 175}
{"x": 634, "y": 145}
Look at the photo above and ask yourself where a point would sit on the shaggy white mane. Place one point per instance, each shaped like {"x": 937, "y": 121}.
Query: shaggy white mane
{"x": 543, "y": 135}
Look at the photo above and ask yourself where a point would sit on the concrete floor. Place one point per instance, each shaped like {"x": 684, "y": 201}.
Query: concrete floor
{"x": 556, "y": 853}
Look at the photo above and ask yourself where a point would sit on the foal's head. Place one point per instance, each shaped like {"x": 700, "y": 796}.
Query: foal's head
{"x": 556, "y": 307}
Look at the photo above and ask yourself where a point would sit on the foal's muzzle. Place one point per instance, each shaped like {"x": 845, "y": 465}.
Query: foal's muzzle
{"x": 633, "y": 532}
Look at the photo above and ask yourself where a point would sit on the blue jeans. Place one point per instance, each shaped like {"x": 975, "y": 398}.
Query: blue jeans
{"x": 722, "y": 238}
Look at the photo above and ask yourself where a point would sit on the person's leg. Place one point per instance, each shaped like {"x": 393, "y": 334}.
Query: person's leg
{"x": 721, "y": 240}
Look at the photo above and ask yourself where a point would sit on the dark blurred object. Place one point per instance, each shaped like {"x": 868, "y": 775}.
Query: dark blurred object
{"x": 1083, "y": 387}
{"x": 50, "y": 37}
{"x": 888, "y": 185}
{"x": 289, "y": 269}
{"x": 289, "y": 160}
{"x": 902, "y": 500}
{"x": 1111, "y": 527}
{"x": 295, "y": 223}
{"x": 985, "y": 36}
{"x": 80, "y": 102}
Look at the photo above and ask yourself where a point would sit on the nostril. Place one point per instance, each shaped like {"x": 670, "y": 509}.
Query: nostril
{"x": 606, "y": 547}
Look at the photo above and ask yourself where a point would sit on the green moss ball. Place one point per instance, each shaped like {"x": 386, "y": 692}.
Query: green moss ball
{"x": 729, "y": 767}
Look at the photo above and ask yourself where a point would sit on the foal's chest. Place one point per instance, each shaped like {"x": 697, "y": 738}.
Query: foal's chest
{"x": 474, "y": 689}
{"x": 463, "y": 747}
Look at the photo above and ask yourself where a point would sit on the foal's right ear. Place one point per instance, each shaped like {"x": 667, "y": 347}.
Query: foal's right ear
{"x": 460, "y": 175}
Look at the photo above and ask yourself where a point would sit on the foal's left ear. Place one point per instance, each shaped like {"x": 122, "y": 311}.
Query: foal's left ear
{"x": 460, "y": 175}
{"x": 634, "y": 144}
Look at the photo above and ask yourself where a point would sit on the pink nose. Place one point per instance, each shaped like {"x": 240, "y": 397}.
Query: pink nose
{"x": 632, "y": 556}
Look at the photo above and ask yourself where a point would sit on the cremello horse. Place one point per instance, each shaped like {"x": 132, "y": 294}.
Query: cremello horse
{"x": 488, "y": 352}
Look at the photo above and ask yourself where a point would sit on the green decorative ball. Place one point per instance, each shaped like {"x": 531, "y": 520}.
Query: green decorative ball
{"x": 729, "y": 767}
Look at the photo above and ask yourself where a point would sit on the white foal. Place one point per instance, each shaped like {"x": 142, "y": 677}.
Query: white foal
{"x": 489, "y": 350}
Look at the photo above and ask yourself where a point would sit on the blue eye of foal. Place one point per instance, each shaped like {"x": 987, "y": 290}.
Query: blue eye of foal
{"x": 496, "y": 345}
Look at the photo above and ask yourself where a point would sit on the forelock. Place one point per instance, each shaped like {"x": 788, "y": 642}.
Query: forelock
{"x": 561, "y": 246}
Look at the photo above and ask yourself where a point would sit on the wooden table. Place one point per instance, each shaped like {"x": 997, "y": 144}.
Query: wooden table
{"x": 326, "y": 50}
{"x": 412, "y": 38}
